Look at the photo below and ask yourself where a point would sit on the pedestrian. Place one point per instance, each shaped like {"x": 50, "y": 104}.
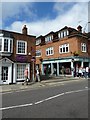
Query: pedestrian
{"x": 87, "y": 72}
{"x": 26, "y": 76}
{"x": 77, "y": 70}
{"x": 83, "y": 72}
{"x": 63, "y": 71}
{"x": 55, "y": 72}
{"x": 37, "y": 75}
{"x": 80, "y": 72}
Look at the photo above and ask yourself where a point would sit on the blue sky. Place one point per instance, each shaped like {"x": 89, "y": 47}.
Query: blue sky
{"x": 43, "y": 17}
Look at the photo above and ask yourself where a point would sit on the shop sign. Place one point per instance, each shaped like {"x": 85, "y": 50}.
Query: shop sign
{"x": 21, "y": 58}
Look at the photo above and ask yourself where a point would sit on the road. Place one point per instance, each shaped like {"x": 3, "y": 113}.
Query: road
{"x": 65, "y": 100}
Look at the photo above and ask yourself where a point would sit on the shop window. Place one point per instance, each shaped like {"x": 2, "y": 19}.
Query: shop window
{"x": 20, "y": 71}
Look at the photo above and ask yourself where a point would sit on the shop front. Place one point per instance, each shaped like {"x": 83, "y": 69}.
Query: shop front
{"x": 68, "y": 65}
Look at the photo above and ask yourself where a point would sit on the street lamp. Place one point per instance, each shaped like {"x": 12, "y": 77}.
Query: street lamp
{"x": 33, "y": 60}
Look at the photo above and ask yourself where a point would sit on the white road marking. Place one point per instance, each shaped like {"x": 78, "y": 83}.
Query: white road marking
{"x": 39, "y": 102}
{"x": 86, "y": 87}
{"x": 49, "y": 98}
{"x": 17, "y": 106}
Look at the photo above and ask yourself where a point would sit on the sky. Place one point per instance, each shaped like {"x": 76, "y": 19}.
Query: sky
{"x": 43, "y": 17}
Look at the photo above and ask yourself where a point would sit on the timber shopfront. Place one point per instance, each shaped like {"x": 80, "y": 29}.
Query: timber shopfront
{"x": 12, "y": 72}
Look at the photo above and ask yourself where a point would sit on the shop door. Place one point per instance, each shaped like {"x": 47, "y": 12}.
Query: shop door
{"x": 4, "y": 76}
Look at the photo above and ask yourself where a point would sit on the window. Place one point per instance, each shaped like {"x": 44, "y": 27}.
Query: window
{"x": 83, "y": 47}
{"x": 49, "y": 51}
{"x": 6, "y": 45}
{"x": 0, "y": 44}
{"x": 64, "y": 48}
{"x": 49, "y": 38}
{"x": 21, "y": 47}
{"x": 62, "y": 34}
{"x": 20, "y": 71}
{"x": 38, "y": 53}
{"x": 38, "y": 41}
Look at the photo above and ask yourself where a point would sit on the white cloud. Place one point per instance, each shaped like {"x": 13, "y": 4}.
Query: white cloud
{"x": 71, "y": 18}
{"x": 11, "y": 9}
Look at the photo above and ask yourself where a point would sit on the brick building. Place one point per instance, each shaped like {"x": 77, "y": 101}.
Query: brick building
{"x": 17, "y": 51}
{"x": 67, "y": 48}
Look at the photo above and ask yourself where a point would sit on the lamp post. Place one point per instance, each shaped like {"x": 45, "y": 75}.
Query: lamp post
{"x": 41, "y": 60}
{"x": 33, "y": 60}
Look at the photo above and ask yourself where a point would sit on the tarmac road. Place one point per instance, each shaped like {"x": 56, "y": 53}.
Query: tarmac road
{"x": 67, "y": 100}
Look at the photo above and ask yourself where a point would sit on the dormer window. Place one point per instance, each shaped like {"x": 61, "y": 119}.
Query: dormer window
{"x": 63, "y": 33}
{"x": 38, "y": 41}
{"x": 49, "y": 38}
{"x": 6, "y": 45}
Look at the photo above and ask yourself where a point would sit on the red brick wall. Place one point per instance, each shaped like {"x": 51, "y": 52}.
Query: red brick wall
{"x": 74, "y": 45}
{"x": 30, "y": 44}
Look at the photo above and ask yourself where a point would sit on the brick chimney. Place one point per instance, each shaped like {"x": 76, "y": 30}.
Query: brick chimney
{"x": 79, "y": 28}
{"x": 24, "y": 30}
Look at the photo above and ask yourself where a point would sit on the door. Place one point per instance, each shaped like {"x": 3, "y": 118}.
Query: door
{"x": 4, "y": 74}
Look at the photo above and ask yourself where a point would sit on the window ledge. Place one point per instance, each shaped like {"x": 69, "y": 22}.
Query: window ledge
{"x": 5, "y": 53}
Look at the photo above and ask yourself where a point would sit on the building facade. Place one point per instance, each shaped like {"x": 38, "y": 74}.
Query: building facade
{"x": 17, "y": 51}
{"x": 67, "y": 48}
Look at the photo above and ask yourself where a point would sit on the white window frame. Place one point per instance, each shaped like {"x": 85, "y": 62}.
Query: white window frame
{"x": 38, "y": 41}
{"x": 63, "y": 33}
{"x": 38, "y": 51}
{"x": 62, "y": 47}
{"x": 48, "y": 38}
{"x": 22, "y": 41}
{"x": 21, "y": 72}
{"x": 10, "y": 50}
{"x": 49, "y": 51}
{"x": 83, "y": 47}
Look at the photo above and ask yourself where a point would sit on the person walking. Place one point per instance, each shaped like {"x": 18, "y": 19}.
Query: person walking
{"x": 80, "y": 72}
{"x": 87, "y": 72}
{"x": 26, "y": 76}
{"x": 83, "y": 72}
{"x": 37, "y": 75}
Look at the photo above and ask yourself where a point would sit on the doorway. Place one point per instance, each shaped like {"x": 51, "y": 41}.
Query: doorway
{"x": 4, "y": 75}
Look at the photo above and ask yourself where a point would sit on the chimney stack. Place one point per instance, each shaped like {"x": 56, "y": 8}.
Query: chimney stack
{"x": 24, "y": 30}
{"x": 79, "y": 28}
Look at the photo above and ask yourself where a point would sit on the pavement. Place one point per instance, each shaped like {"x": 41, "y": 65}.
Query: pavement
{"x": 35, "y": 85}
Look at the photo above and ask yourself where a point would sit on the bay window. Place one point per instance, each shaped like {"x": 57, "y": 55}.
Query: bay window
{"x": 6, "y": 45}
